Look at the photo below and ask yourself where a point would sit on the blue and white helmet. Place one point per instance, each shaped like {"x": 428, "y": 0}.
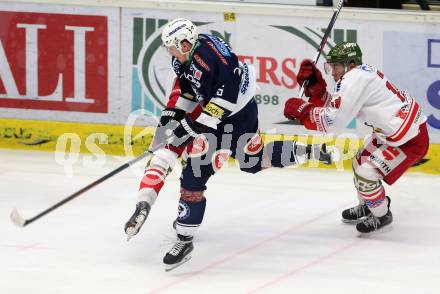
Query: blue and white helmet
{"x": 178, "y": 30}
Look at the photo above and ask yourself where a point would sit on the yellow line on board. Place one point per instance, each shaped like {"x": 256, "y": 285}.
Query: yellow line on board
{"x": 44, "y": 135}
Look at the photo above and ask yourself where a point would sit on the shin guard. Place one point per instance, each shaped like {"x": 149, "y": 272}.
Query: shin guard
{"x": 190, "y": 212}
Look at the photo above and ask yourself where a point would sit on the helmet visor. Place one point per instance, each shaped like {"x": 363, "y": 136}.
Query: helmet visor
{"x": 171, "y": 50}
{"x": 330, "y": 67}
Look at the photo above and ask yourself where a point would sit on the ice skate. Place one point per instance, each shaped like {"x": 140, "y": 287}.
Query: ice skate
{"x": 321, "y": 152}
{"x": 138, "y": 218}
{"x": 179, "y": 253}
{"x": 328, "y": 155}
{"x": 355, "y": 214}
{"x": 373, "y": 225}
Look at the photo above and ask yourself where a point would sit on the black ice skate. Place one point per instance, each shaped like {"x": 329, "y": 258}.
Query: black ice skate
{"x": 373, "y": 224}
{"x": 323, "y": 153}
{"x": 355, "y": 214}
{"x": 180, "y": 253}
{"x": 138, "y": 218}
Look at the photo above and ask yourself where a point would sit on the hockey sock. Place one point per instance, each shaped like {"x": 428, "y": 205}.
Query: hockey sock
{"x": 376, "y": 201}
{"x": 190, "y": 212}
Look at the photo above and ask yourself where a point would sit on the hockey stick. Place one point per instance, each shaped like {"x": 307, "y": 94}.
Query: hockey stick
{"x": 324, "y": 41}
{"x": 22, "y": 222}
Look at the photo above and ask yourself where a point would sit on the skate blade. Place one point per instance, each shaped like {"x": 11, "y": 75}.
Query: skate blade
{"x": 335, "y": 153}
{"x": 351, "y": 222}
{"x": 131, "y": 231}
{"x": 375, "y": 233}
{"x": 170, "y": 267}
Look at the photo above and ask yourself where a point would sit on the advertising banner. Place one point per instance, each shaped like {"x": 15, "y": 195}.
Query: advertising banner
{"x": 275, "y": 46}
{"x": 412, "y": 62}
{"x": 69, "y": 63}
{"x": 58, "y": 63}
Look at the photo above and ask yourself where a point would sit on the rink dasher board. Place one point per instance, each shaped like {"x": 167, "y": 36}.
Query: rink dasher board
{"x": 135, "y": 68}
{"x": 128, "y": 140}
{"x": 133, "y": 73}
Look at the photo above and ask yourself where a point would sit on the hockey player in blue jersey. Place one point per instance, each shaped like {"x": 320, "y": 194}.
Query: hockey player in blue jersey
{"x": 209, "y": 75}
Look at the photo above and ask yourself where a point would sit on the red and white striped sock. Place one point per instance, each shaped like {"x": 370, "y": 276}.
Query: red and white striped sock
{"x": 376, "y": 201}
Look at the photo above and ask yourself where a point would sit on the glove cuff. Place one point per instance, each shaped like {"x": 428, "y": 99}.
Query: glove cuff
{"x": 190, "y": 127}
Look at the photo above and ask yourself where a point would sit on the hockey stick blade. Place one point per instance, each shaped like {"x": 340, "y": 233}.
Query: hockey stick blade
{"x": 17, "y": 219}
{"x": 21, "y": 222}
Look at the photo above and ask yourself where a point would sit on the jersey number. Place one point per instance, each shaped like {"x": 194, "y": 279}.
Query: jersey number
{"x": 391, "y": 87}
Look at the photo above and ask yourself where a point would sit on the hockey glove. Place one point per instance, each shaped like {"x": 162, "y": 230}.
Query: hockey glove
{"x": 185, "y": 132}
{"x": 169, "y": 119}
{"x": 316, "y": 87}
{"x": 297, "y": 108}
{"x": 169, "y": 114}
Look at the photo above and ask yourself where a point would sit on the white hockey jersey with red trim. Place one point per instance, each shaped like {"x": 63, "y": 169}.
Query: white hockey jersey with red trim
{"x": 366, "y": 94}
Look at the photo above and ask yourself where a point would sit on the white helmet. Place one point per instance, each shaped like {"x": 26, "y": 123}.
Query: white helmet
{"x": 178, "y": 30}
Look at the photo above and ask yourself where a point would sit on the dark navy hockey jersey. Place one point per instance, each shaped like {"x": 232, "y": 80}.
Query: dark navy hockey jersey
{"x": 214, "y": 78}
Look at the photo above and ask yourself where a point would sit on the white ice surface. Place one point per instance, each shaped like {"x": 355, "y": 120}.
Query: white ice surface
{"x": 275, "y": 232}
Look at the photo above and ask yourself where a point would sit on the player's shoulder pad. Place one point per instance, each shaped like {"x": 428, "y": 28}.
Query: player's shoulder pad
{"x": 222, "y": 47}
{"x": 361, "y": 72}
{"x": 351, "y": 77}
{"x": 364, "y": 71}
{"x": 203, "y": 59}
{"x": 367, "y": 68}
{"x": 215, "y": 49}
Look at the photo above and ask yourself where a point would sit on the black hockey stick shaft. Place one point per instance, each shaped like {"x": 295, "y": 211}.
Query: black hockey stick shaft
{"x": 324, "y": 41}
{"x": 18, "y": 220}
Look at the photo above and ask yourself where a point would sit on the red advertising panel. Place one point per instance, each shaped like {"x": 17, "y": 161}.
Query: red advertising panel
{"x": 54, "y": 61}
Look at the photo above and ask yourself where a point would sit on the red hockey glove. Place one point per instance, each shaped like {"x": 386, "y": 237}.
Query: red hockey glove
{"x": 316, "y": 87}
{"x": 297, "y": 108}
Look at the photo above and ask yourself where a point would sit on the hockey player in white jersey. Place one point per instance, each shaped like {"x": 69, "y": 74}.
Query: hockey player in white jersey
{"x": 399, "y": 136}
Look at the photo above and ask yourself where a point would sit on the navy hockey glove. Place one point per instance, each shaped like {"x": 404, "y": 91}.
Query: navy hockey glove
{"x": 169, "y": 119}
{"x": 169, "y": 114}
{"x": 185, "y": 132}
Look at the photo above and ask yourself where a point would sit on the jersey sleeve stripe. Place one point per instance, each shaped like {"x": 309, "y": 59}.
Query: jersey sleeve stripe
{"x": 208, "y": 120}
{"x": 185, "y": 104}
{"x": 406, "y": 124}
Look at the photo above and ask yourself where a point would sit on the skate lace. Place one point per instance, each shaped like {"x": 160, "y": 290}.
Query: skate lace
{"x": 177, "y": 248}
{"x": 372, "y": 221}
{"x": 358, "y": 210}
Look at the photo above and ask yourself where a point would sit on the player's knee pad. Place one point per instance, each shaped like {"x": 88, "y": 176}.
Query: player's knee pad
{"x": 163, "y": 159}
{"x": 190, "y": 212}
{"x": 367, "y": 181}
{"x": 155, "y": 173}
{"x": 366, "y": 176}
